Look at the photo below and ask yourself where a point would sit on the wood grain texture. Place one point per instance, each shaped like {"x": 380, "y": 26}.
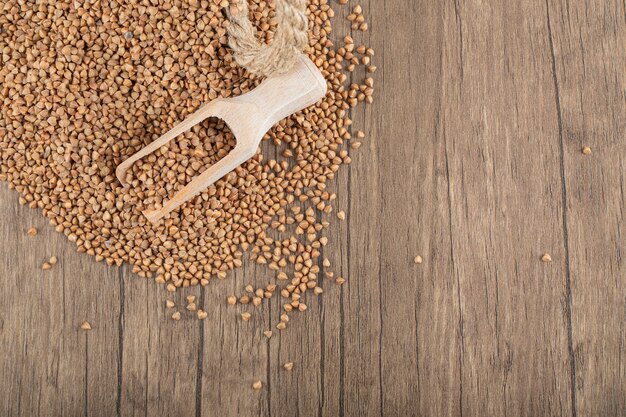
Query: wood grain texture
{"x": 472, "y": 160}
{"x": 505, "y": 194}
{"x": 48, "y": 365}
{"x": 589, "y": 59}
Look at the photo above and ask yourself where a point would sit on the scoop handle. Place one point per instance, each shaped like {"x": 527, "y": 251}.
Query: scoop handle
{"x": 285, "y": 94}
{"x": 276, "y": 98}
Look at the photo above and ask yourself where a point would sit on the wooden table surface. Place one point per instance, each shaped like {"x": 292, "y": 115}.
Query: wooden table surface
{"x": 473, "y": 161}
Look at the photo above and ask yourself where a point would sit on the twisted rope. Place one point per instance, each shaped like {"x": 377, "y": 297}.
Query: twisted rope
{"x": 290, "y": 39}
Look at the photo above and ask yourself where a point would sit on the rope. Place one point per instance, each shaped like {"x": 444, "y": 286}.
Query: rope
{"x": 280, "y": 55}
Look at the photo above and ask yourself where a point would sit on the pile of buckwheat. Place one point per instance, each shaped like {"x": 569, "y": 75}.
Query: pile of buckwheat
{"x": 85, "y": 84}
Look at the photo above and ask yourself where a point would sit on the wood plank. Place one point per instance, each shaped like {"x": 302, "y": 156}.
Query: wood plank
{"x": 50, "y": 366}
{"x": 360, "y": 377}
{"x": 296, "y": 391}
{"x": 346, "y": 353}
{"x": 350, "y": 371}
{"x": 589, "y": 60}
{"x": 235, "y": 352}
{"x": 402, "y": 315}
{"x": 159, "y": 356}
{"x": 502, "y": 146}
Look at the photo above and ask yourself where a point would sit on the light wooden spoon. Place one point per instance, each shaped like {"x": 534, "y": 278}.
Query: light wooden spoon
{"x": 248, "y": 116}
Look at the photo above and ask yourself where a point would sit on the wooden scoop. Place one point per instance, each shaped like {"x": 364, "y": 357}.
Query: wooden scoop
{"x": 248, "y": 116}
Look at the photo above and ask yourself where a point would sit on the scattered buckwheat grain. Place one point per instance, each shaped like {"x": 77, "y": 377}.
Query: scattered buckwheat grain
{"x": 31, "y": 232}
{"x": 85, "y": 325}
{"x": 288, "y": 366}
{"x": 546, "y": 258}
